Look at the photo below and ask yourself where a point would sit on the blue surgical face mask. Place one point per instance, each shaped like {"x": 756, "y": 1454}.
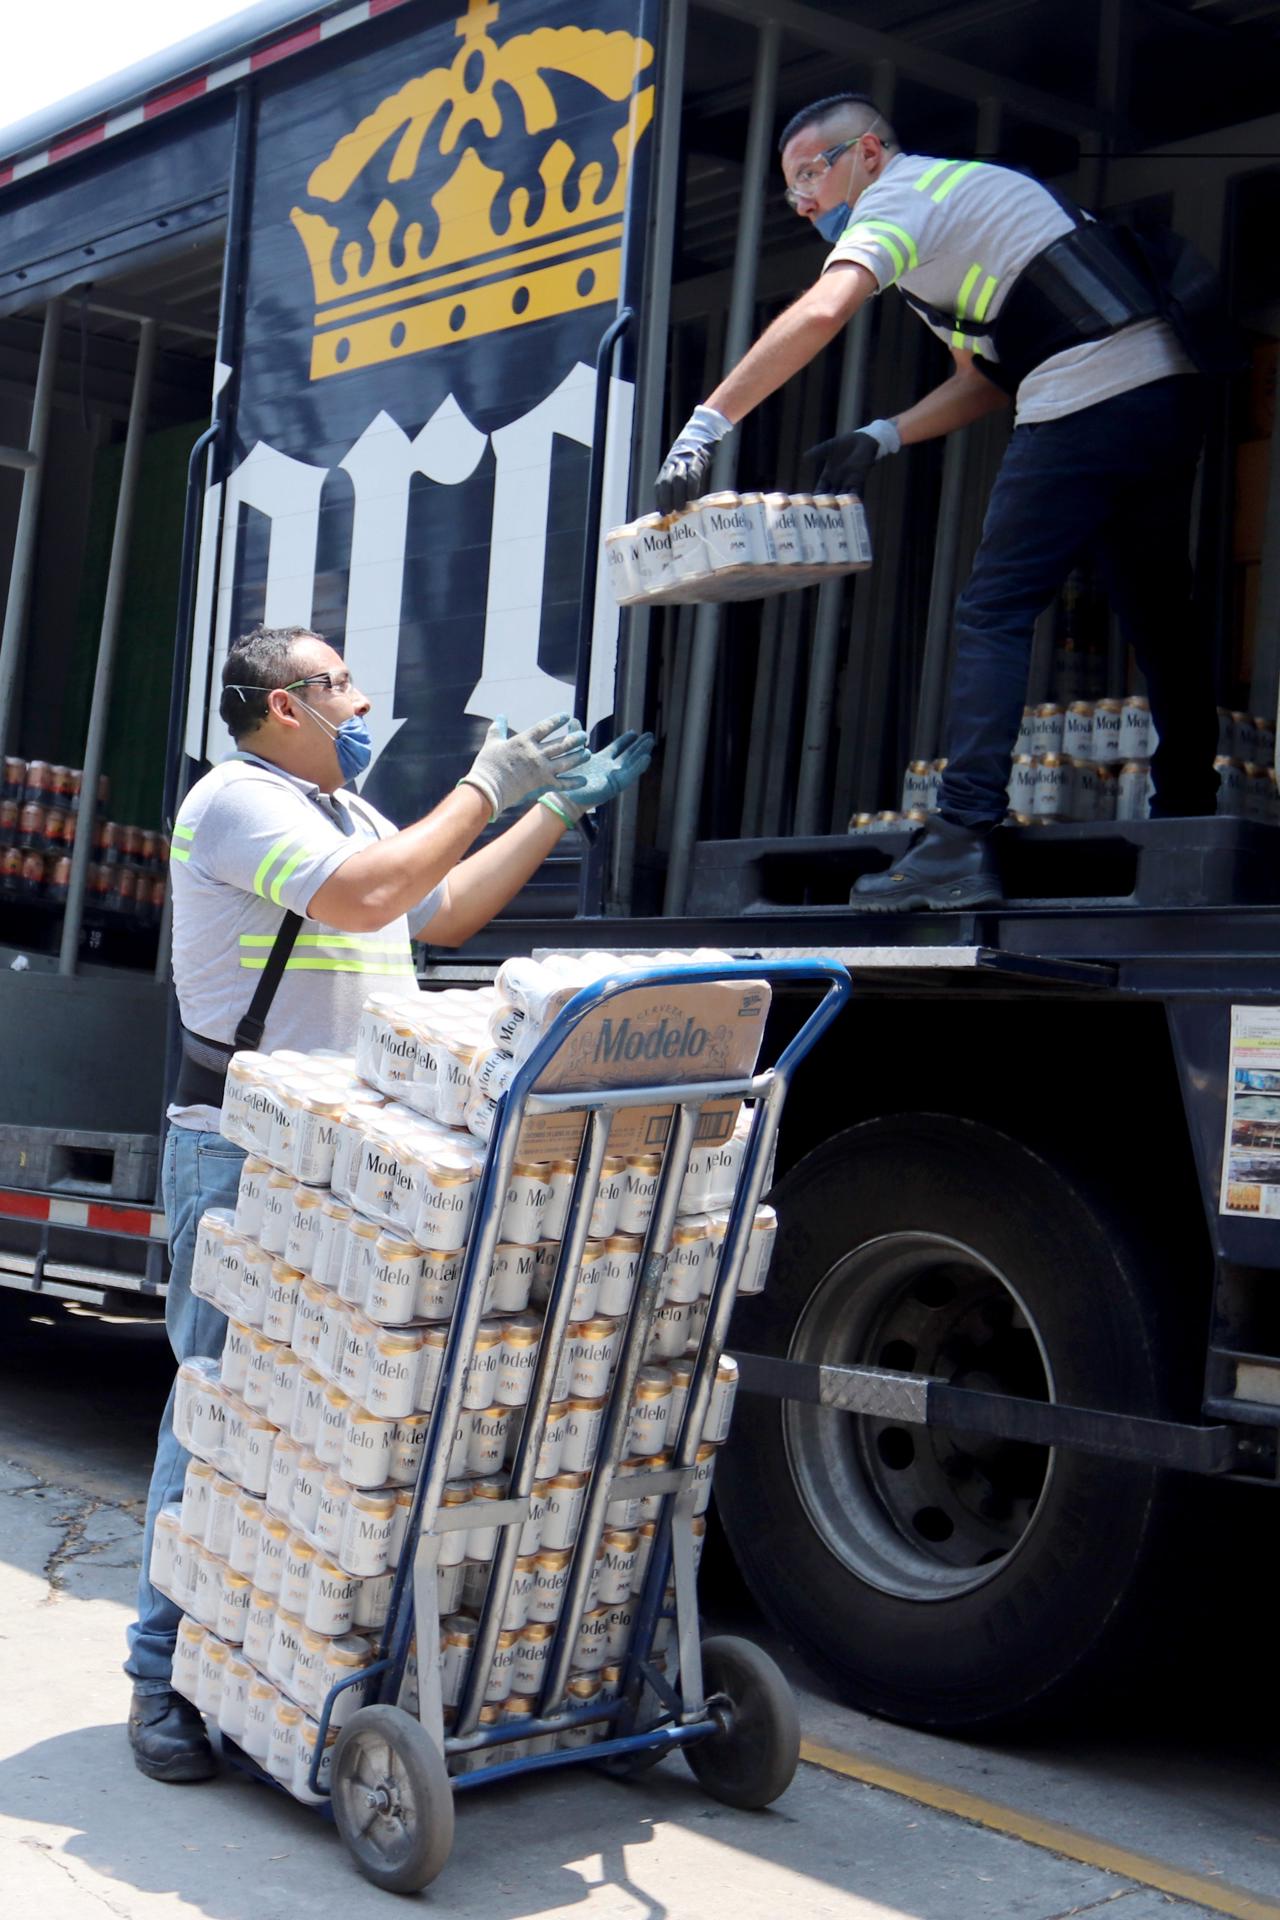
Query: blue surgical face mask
{"x": 352, "y": 739}
{"x": 833, "y": 222}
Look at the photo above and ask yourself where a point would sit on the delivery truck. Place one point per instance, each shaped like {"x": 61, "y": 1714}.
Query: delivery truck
{"x": 374, "y": 317}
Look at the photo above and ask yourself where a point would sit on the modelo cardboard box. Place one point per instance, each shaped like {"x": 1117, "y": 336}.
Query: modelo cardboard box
{"x": 652, "y": 1036}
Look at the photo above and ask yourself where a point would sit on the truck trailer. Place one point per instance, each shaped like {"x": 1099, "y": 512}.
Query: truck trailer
{"x": 373, "y": 317}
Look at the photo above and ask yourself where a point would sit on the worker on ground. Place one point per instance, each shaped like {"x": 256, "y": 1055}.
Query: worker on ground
{"x": 266, "y": 833}
{"x": 1038, "y": 305}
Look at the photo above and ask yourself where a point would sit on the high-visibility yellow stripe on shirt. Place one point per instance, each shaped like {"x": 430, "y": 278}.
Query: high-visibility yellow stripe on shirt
{"x": 866, "y": 232}
{"x": 960, "y": 339}
{"x": 332, "y": 953}
{"x": 930, "y": 174}
{"x": 285, "y": 845}
{"x": 181, "y": 853}
{"x": 953, "y": 180}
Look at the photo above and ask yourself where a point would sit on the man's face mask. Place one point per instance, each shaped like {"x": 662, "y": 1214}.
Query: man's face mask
{"x": 352, "y": 740}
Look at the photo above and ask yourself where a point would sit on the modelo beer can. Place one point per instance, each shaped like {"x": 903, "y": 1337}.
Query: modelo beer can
{"x": 1053, "y": 788}
{"x": 783, "y": 524}
{"x": 1077, "y": 731}
{"x": 1135, "y": 729}
{"x": 734, "y": 531}
{"x": 1027, "y": 733}
{"x": 915, "y": 786}
{"x": 1022, "y": 783}
{"x": 1084, "y": 778}
{"x": 652, "y": 553}
{"x": 620, "y": 562}
{"x": 688, "y": 548}
{"x": 1049, "y": 728}
{"x": 1107, "y": 722}
{"x": 1104, "y": 793}
{"x": 1131, "y": 791}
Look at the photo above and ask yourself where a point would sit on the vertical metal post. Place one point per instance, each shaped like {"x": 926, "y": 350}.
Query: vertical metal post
{"x": 942, "y": 593}
{"x": 24, "y": 543}
{"x": 942, "y": 588}
{"x": 112, "y": 609}
{"x": 851, "y": 406}
{"x": 633, "y": 662}
{"x": 742, "y": 300}
{"x": 826, "y": 632}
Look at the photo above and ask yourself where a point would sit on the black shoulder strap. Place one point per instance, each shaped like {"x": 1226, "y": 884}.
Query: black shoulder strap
{"x": 250, "y": 1030}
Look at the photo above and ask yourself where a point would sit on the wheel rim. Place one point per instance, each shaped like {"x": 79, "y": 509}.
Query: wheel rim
{"x": 377, "y": 1797}
{"x": 919, "y": 1512}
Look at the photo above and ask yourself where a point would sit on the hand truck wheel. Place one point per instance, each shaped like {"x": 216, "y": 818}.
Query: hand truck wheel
{"x": 753, "y": 1758}
{"x": 392, "y": 1800}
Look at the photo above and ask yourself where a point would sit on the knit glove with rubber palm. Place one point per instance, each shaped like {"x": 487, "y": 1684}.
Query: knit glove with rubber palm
{"x": 511, "y": 766}
{"x": 603, "y": 777}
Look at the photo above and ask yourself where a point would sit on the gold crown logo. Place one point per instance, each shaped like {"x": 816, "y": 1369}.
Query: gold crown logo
{"x": 491, "y": 225}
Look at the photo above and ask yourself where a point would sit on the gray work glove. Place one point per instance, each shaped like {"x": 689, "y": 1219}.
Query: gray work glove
{"x": 511, "y": 766}
{"x": 601, "y": 778}
{"x": 683, "y": 474}
{"x": 848, "y": 459}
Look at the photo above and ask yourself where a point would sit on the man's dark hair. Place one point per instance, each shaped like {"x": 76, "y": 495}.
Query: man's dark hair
{"x": 827, "y": 109}
{"x": 257, "y": 663}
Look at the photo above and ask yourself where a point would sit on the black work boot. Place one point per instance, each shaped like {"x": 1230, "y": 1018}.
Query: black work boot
{"x": 168, "y": 1738}
{"x": 945, "y": 865}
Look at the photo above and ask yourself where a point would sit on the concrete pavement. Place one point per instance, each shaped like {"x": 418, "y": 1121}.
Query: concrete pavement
{"x": 81, "y": 1831}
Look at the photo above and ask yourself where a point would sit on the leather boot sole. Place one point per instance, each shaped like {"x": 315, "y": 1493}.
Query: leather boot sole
{"x": 955, "y": 895}
{"x": 180, "y": 1769}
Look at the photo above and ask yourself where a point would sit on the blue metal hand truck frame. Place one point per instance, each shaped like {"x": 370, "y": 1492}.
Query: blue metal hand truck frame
{"x": 392, "y": 1797}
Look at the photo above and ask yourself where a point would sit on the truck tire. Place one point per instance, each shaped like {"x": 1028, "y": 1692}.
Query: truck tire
{"x": 950, "y": 1582}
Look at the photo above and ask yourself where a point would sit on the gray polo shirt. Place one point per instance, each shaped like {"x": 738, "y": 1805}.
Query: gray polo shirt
{"x": 957, "y": 233}
{"x": 250, "y": 843}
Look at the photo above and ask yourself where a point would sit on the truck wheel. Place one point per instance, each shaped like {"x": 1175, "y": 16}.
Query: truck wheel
{"x": 949, "y": 1581}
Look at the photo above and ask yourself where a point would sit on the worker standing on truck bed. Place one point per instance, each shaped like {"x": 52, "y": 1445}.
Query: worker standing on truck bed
{"x": 1042, "y": 305}
{"x": 271, "y": 833}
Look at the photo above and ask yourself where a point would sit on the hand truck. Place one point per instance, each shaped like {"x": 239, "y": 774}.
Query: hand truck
{"x": 730, "y": 1709}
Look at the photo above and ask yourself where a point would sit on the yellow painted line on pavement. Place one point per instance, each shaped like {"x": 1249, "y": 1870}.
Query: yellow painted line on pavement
{"x": 1218, "y": 1895}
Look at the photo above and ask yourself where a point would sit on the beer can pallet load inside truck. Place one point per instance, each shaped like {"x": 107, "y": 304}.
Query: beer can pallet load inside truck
{"x": 339, "y": 1273}
{"x": 730, "y": 546}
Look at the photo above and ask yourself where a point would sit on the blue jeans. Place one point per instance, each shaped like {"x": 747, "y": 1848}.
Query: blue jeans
{"x": 1112, "y": 481}
{"x": 200, "y": 1170}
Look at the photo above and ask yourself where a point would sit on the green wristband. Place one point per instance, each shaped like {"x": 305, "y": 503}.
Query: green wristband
{"x": 552, "y": 805}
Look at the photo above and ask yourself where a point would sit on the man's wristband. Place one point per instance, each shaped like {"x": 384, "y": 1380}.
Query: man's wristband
{"x": 556, "y": 806}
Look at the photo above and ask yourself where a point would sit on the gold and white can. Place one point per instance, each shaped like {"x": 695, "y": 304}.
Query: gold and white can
{"x": 367, "y": 1449}
{"x": 395, "y": 1365}
{"x": 583, "y": 1424}
{"x": 560, "y": 1175}
{"x": 518, "y": 1358}
{"x": 619, "y": 1273}
{"x": 608, "y": 1200}
{"x": 566, "y": 1496}
{"x": 395, "y": 1279}
{"x": 650, "y": 1411}
{"x": 438, "y": 1289}
{"x": 366, "y": 1532}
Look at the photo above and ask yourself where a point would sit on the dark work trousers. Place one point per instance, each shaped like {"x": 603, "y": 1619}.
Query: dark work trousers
{"x": 1112, "y": 482}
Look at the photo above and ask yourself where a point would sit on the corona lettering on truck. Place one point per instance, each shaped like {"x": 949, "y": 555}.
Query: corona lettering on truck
{"x": 377, "y": 318}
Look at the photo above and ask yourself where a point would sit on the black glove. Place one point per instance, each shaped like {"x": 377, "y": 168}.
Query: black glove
{"x": 681, "y": 478}
{"x": 682, "y": 475}
{"x": 846, "y": 462}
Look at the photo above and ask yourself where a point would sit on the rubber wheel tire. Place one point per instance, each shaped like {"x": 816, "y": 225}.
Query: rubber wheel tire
{"x": 404, "y": 1849}
{"x": 1045, "y": 1621}
{"x": 753, "y": 1760}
